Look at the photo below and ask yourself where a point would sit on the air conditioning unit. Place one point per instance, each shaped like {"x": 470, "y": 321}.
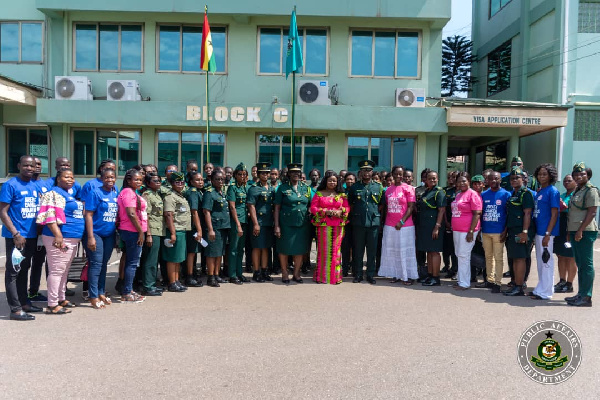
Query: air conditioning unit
{"x": 410, "y": 97}
{"x": 313, "y": 92}
{"x": 72, "y": 88}
{"x": 123, "y": 90}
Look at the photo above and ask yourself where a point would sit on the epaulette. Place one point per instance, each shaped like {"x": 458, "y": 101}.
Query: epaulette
{"x": 210, "y": 189}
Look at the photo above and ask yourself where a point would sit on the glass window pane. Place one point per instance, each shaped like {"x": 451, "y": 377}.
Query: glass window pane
{"x": 192, "y": 44}
{"x": 9, "y": 42}
{"x": 384, "y": 53}
{"x": 169, "y": 48}
{"x": 31, "y": 41}
{"x": 83, "y": 152}
{"x": 358, "y": 150}
{"x": 168, "y": 147}
{"x": 362, "y": 52}
{"x": 219, "y": 39}
{"x": 38, "y": 146}
{"x": 109, "y": 47}
{"x": 381, "y": 152}
{"x": 17, "y": 146}
{"x": 129, "y": 150}
{"x": 404, "y": 152}
{"x": 284, "y": 45}
{"x": 268, "y": 149}
{"x": 314, "y": 153}
{"x": 217, "y": 149}
{"x": 131, "y": 47}
{"x": 85, "y": 47}
{"x": 286, "y": 151}
{"x": 191, "y": 148}
{"x": 270, "y": 50}
{"x": 408, "y": 54}
{"x": 106, "y": 147}
{"x": 315, "y": 59}
{"x": 494, "y": 7}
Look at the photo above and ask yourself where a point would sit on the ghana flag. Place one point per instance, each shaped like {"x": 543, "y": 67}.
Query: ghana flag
{"x": 207, "y": 57}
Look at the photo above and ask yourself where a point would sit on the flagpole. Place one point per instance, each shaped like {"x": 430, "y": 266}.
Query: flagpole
{"x": 207, "y": 109}
{"x": 293, "y": 115}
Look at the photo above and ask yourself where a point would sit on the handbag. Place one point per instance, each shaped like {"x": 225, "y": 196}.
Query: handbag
{"x": 84, "y": 272}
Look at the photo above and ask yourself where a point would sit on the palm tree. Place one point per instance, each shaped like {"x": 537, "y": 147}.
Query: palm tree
{"x": 456, "y": 65}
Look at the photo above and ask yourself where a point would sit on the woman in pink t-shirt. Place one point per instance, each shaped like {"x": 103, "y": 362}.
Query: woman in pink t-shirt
{"x": 133, "y": 224}
{"x": 466, "y": 211}
{"x": 398, "y": 256}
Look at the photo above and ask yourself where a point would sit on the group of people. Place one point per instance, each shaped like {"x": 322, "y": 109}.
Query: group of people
{"x": 163, "y": 224}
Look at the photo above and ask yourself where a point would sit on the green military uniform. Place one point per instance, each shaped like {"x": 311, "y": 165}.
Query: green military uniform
{"x": 428, "y": 204}
{"x": 165, "y": 188}
{"x": 515, "y": 211}
{"x": 262, "y": 197}
{"x": 194, "y": 199}
{"x": 583, "y": 250}
{"x": 215, "y": 202}
{"x": 364, "y": 202}
{"x": 237, "y": 194}
{"x": 182, "y": 222}
{"x": 149, "y": 259}
{"x": 532, "y": 183}
{"x": 294, "y": 218}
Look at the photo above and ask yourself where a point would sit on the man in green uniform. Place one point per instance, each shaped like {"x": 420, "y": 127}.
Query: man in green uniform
{"x": 518, "y": 162}
{"x": 364, "y": 198}
{"x": 236, "y": 197}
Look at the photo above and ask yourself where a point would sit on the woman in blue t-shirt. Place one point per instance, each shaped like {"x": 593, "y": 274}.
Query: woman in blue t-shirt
{"x": 545, "y": 216}
{"x": 62, "y": 216}
{"x": 100, "y": 216}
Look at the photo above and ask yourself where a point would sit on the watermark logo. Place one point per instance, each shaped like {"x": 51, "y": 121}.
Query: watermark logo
{"x": 549, "y": 352}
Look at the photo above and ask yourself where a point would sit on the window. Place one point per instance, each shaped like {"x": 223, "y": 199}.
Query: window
{"x": 310, "y": 150}
{"x": 498, "y": 75}
{"x": 587, "y": 125}
{"x": 108, "y": 47}
{"x": 91, "y": 146}
{"x": 175, "y": 147}
{"x": 21, "y": 42}
{"x": 589, "y": 17}
{"x": 272, "y": 51}
{"x": 179, "y": 48}
{"x": 497, "y": 5}
{"x": 394, "y": 54}
{"x": 29, "y": 141}
{"x": 384, "y": 151}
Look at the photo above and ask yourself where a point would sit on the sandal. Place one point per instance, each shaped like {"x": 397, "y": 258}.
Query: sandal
{"x": 97, "y": 304}
{"x": 56, "y": 310}
{"x": 130, "y": 299}
{"x": 105, "y": 299}
{"x": 67, "y": 304}
{"x": 407, "y": 282}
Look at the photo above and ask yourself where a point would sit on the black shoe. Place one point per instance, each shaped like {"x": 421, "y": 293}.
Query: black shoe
{"x": 285, "y": 281}
{"x": 219, "y": 279}
{"x": 496, "y": 289}
{"x": 159, "y": 289}
{"x": 69, "y": 293}
{"x": 515, "y": 291}
{"x": 445, "y": 269}
{"x": 174, "y": 287}
{"x": 192, "y": 282}
{"x": 572, "y": 298}
{"x": 235, "y": 281}
{"x": 181, "y": 286}
{"x": 119, "y": 286}
{"x": 297, "y": 280}
{"x": 243, "y": 279}
{"x": 434, "y": 281}
{"x": 31, "y": 309}
{"x": 371, "y": 280}
{"x": 357, "y": 279}
{"x": 248, "y": 269}
{"x": 451, "y": 274}
{"x": 152, "y": 292}
{"x": 265, "y": 276}
{"x": 21, "y": 316}
{"x": 566, "y": 288}
{"x": 581, "y": 302}
{"x": 212, "y": 281}
{"x": 424, "y": 279}
{"x": 559, "y": 285}
{"x": 345, "y": 274}
{"x": 257, "y": 277}
{"x": 506, "y": 274}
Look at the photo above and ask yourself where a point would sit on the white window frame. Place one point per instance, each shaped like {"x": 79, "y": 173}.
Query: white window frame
{"x": 20, "y": 41}
{"x": 419, "y": 32}
{"x": 202, "y": 151}
{"x": 97, "y": 69}
{"x": 201, "y": 72}
{"x": 369, "y": 147}
{"x": 27, "y": 142}
{"x": 281, "y": 41}
{"x": 95, "y": 151}
{"x": 302, "y": 143}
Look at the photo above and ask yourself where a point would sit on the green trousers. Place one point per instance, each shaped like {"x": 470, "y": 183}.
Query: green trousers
{"x": 364, "y": 237}
{"x": 236, "y": 251}
{"x": 149, "y": 262}
{"x": 583, "y": 251}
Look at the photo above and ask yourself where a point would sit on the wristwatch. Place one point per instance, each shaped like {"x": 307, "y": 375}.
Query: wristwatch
{"x": 547, "y": 234}
{"x": 524, "y": 230}
{"x": 471, "y": 231}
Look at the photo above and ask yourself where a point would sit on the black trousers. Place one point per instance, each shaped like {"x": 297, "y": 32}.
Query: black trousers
{"x": 347, "y": 249}
{"x": 16, "y": 281}
{"x": 37, "y": 264}
{"x": 450, "y": 259}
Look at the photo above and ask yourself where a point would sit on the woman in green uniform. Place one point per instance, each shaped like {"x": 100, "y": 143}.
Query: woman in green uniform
{"x": 154, "y": 235}
{"x": 292, "y": 221}
{"x": 260, "y": 207}
{"x": 178, "y": 220}
{"x": 216, "y": 218}
{"x": 449, "y": 254}
{"x": 236, "y": 197}
{"x": 430, "y": 238}
{"x": 583, "y": 231}
{"x": 193, "y": 195}
{"x": 519, "y": 238}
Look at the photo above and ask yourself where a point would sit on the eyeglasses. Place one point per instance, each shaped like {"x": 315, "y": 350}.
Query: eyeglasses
{"x": 171, "y": 170}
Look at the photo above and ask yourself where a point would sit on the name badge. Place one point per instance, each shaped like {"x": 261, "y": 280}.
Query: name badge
{"x": 182, "y": 209}
{"x": 24, "y": 192}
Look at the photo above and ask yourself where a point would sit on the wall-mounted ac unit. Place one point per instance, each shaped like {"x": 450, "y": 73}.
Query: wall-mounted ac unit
{"x": 313, "y": 92}
{"x": 123, "y": 90}
{"x": 72, "y": 88}
{"x": 410, "y": 97}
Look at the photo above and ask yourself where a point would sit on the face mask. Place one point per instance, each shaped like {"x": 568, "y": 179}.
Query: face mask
{"x": 17, "y": 257}
{"x": 545, "y": 255}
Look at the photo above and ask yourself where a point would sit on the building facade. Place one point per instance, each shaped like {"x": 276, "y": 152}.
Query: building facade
{"x": 357, "y": 54}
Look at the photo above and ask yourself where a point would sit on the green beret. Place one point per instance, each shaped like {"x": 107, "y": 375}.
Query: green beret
{"x": 176, "y": 176}
{"x": 579, "y": 166}
{"x": 477, "y": 178}
{"x": 366, "y": 164}
{"x": 240, "y": 167}
{"x": 516, "y": 171}
{"x": 517, "y": 159}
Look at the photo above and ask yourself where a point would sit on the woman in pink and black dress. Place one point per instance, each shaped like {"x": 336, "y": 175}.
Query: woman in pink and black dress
{"x": 330, "y": 209}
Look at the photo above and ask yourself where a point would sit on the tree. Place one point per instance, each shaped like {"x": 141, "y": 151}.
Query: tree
{"x": 456, "y": 65}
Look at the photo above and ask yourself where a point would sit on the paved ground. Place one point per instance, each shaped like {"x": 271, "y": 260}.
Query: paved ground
{"x": 299, "y": 341}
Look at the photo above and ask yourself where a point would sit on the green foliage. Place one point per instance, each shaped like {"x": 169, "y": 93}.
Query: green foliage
{"x": 457, "y": 58}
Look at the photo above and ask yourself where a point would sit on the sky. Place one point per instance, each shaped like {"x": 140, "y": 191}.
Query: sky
{"x": 460, "y": 23}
